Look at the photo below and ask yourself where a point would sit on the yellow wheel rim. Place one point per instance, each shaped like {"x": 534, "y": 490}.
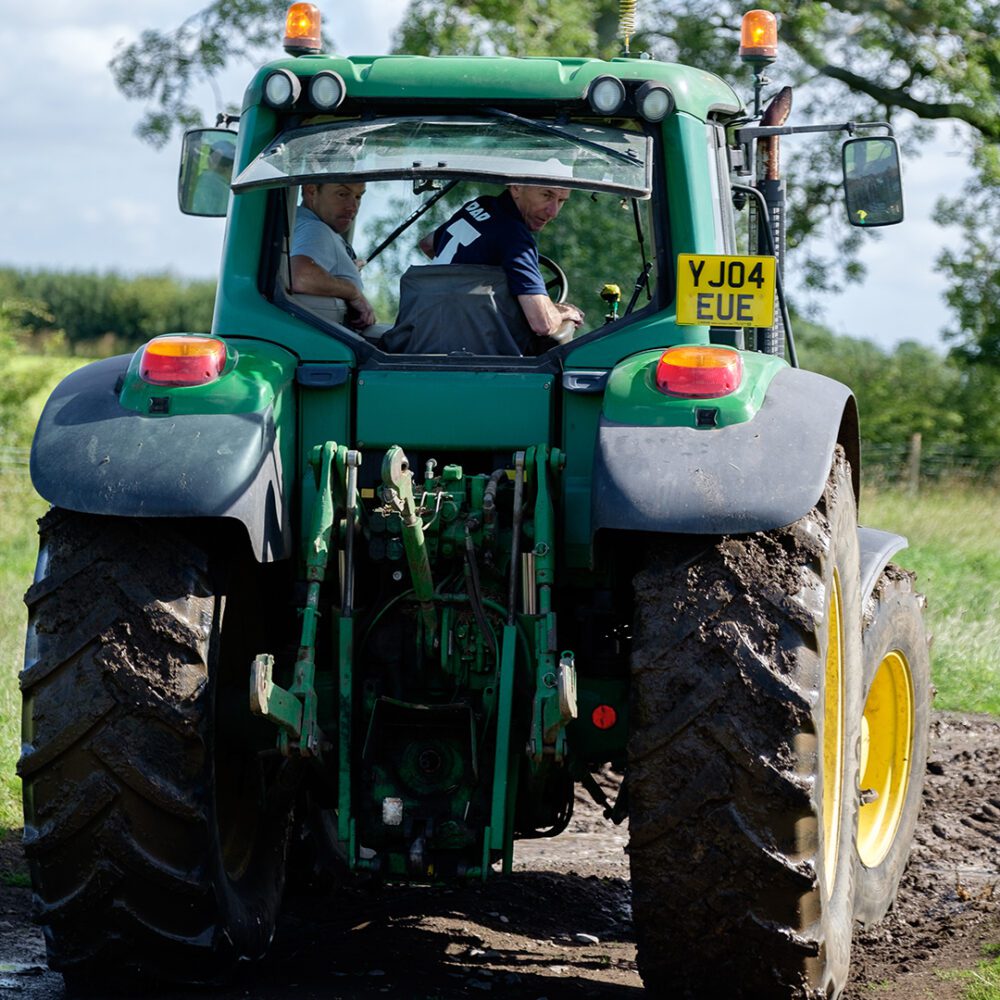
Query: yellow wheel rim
{"x": 887, "y": 741}
{"x": 833, "y": 737}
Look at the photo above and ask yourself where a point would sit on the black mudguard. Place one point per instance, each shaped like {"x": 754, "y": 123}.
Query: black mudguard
{"x": 90, "y": 454}
{"x": 877, "y": 548}
{"x": 753, "y": 476}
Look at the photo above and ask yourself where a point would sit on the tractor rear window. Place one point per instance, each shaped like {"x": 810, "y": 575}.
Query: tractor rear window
{"x": 464, "y": 236}
{"x": 488, "y": 148}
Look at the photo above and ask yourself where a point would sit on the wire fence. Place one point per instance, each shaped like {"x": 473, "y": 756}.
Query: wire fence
{"x": 915, "y": 464}
{"x": 882, "y": 464}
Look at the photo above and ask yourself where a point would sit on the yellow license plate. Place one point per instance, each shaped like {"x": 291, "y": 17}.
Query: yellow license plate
{"x": 720, "y": 290}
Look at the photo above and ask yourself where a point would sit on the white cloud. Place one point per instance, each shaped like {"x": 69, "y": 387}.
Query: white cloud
{"x": 118, "y": 212}
{"x": 81, "y": 53}
{"x": 369, "y": 31}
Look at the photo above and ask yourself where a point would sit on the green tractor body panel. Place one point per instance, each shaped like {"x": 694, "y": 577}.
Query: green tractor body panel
{"x": 442, "y": 545}
{"x": 500, "y": 80}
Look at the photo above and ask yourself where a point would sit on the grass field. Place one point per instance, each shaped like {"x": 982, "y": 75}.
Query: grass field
{"x": 956, "y": 555}
{"x": 19, "y": 508}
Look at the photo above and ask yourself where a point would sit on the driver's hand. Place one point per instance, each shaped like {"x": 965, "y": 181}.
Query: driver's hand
{"x": 365, "y": 315}
{"x": 573, "y": 313}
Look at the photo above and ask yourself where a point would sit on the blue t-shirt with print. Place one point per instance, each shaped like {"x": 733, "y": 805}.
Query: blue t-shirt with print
{"x": 490, "y": 230}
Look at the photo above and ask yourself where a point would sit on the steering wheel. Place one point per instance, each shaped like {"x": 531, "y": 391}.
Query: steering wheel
{"x": 557, "y": 285}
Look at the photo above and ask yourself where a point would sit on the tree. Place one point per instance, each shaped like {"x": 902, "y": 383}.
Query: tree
{"x": 163, "y": 66}
{"x": 908, "y": 390}
{"x": 975, "y": 290}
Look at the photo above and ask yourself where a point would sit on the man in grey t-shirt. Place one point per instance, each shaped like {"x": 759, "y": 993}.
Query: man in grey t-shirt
{"x": 322, "y": 262}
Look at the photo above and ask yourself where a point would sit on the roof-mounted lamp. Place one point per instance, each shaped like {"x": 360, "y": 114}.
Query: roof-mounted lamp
{"x": 759, "y": 47}
{"x": 302, "y": 30}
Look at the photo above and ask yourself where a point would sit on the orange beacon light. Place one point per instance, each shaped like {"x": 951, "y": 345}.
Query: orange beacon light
{"x": 759, "y": 37}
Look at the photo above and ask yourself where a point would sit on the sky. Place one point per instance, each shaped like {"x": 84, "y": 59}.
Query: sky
{"x": 79, "y": 191}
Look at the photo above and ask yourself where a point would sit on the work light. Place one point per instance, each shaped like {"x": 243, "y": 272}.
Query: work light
{"x": 606, "y": 94}
{"x": 326, "y": 90}
{"x": 654, "y": 101}
{"x": 281, "y": 89}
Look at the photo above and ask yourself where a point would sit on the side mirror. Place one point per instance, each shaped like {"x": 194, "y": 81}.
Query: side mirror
{"x": 207, "y": 157}
{"x": 873, "y": 188}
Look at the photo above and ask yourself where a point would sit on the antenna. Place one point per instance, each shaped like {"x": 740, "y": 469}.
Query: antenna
{"x": 626, "y": 23}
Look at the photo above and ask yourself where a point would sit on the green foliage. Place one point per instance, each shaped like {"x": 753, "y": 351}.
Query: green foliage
{"x": 909, "y": 390}
{"x": 94, "y": 308}
{"x": 912, "y": 390}
{"x": 163, "y": 66}
{"x": 17, "y": 383}
{"x": 974, "y": 294}
{"x": 509, "y": 28}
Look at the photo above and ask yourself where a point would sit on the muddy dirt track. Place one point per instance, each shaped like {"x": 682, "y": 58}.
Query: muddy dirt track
{"x": 560, "y": 926}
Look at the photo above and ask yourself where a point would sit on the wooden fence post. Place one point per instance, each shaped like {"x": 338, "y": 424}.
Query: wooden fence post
{"x": 913, "y": 467}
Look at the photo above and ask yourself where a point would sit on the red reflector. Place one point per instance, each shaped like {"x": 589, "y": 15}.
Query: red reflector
{"x": 701, "y": 372}
{"x": 604, "y": 717}
{"x": 182, "y": 359}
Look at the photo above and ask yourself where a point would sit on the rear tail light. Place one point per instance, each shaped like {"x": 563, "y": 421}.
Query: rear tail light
{"x": 699, "y": 372}
{"x": 182, "y": 359}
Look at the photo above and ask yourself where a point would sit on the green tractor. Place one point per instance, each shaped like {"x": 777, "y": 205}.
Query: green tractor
{"x": 385, "y": 597}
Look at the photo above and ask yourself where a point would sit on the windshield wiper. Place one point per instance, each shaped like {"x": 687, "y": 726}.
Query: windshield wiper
{"x": 629, "y": 157}
{"x": 406, "y": 223}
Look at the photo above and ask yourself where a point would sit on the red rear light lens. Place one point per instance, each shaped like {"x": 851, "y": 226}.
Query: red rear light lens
{"x": 699, "y": 372}
{"x": 604, "y": 717}
{"x": 182, "y": 359}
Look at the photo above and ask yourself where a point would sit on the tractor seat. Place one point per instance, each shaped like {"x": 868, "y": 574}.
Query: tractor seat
{"x": 458, "y": 309}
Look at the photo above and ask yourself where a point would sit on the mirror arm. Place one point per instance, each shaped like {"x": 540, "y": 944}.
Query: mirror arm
{"x": 749, "y": 133}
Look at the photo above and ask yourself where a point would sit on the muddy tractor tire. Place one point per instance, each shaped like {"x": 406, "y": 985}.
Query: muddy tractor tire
{"x": 155, "y": 832}
{"x": 894, "y": 739}
{"x": 743, "y": 758}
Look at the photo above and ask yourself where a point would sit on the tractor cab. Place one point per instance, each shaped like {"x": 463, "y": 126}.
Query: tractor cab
{"x": 419, "y": 169}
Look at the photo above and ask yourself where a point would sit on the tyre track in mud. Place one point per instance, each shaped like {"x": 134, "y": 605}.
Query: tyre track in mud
{"x": 560, "y": 926}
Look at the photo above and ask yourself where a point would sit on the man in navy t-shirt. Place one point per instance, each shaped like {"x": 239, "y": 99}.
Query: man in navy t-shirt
{"x": 499, "y": 230}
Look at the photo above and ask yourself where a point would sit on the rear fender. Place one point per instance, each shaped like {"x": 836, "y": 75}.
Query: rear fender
{"x": 108, "y": 444}
{"x": 755, "y": 475}
{"x": 877, "y": 548}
